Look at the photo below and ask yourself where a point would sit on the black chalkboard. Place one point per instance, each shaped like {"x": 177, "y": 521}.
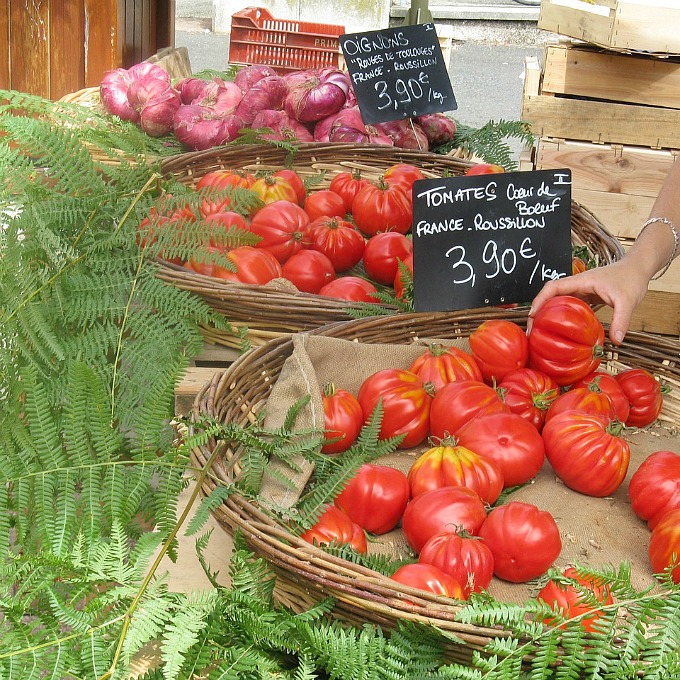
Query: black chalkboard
{"x": 398, "y": 72}
{"x": 489, "y": 239}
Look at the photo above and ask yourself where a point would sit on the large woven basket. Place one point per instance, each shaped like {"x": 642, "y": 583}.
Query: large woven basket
{"x": 268, "y": 312}
{"x": 307, "y": 574}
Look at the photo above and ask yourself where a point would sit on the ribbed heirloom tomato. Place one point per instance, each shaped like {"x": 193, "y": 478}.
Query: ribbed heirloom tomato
{"x": 566, "y": 340}
{"x": 338, "y": 240}
{"x": 405, "y": 402}
{"x": 450, "y": 508}
{"x": 295, "y": 181}
{"x": 334, "y": 526}
{"x": 343, "y": 419}
{"x": 523, "y": 539}
{"x": 324, "y": 203}
{"x": 645, "y": 396}
{"x": 253, "y": 265}
{"x": 654, "y": 488}
{"x": 529, "y": 393}
{"x": 499, "y": 346}
{"x": 584, "y": 399}
{"x": 429, "y": 578}
{"x": 347, "y": 184}
{"x": 351, "y": 288}
{"x": 283, "y": 228}
{"x": 586, "y": 452}
{"x": 453, "y": 465}
{"x": 382, "y": 207}
{"x": 270, "y": 188}
{"x": 574, "y": 598}
{"x": 467, "y": 558}
{"x": 440, "y": 365}
{"x": 664, "y": 545}
{"x": 375, "y": 498}
{"x": 607, "y": 383}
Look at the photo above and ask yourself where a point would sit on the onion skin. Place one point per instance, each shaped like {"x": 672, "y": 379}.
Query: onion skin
{"x": 190, "y": 89}
{"x": 438, "y": 127}
{"x": 157, "y": 114}
{"x": 113, "y": 93}
{"x": 349, "y": 126}
{"x": 199, "y": 128}
{"x": 221, "y": 96}
{"x": 318, "y": 95}
{"x": 405, "y": 134}
{"x": 267, "y": 93}
{"x": 282, "y": 126}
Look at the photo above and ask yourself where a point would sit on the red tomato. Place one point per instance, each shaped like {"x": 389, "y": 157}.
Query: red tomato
{"x": 524, "y": 541}
{"x": 578, "y": 265}
{"x": 427, "y": 577}
{"x": 645, "y": 396}
{"x": 450, "y": 508}
{"x": 664, "y": 545}
{"x": 347, "y": 184}
{"x": 405, "y": 401}
{"x": 484, "y": 169}
{"x": 575, "y": 599}
{"x": 382, "y": 254}
{"x": 401, "y": 289}
{"x": 343, "y": 419}
{"x": 295, "y": 181}
{"x": 510, "y": 441}
{"x": 382, "y": 207}
{"x": 586, "y": 453}
{"x": 467, "y": 559}
{"x": 654, "y": 488}
{"x": 499, "y": 346}
{"x": 253, "y": 265}
{"x": 224, "y": 228}
{"x": 439, "y": 365}
{"x": 458, "y": 402}
{"x": 309, "y": 270}
{"x": 283, "y": 228}
{"x": 529, "y": 393}
{"x": 324, "y": 203}
{"x": 338, "y": 240}
{"x": 270, "y": 189}
{"x": 352, "y": 288}
{"x": 566, "y": 340}
{"x": 584, "y": 399}
{"x": 202, "y": 262}
{"x": 452, "y": 465}
{"x": 334, "y": 526}
{"x": 375, "y": 498}
{"x": 216, "y": 184}
{"x": 608, "y": 384}
{"x": 403, "y": 175}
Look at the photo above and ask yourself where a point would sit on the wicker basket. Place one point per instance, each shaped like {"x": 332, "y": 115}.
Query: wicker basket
{"x": 268, "y": 312}
{"x": 305, "y": 573}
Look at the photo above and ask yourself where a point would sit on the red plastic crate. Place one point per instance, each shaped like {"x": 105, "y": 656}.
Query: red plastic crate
{"x": 258, "y": 38}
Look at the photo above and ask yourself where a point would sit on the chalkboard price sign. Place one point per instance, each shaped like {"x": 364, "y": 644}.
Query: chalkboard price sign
{"x": 398, "y": 72}
{"x": 489, "y": 239}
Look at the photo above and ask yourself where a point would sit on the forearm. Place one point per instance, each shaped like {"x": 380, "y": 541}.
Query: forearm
{"x": 655, "y": 244}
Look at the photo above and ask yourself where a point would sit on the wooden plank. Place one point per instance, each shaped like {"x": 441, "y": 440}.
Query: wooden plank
{"x": 5, "y": 61}
{"x": 627, "y": 25}
{"x": 586, "y": 72}
{"x": 67, "y": 47}
{"x": 103, "y": 38}
{"x": 602, "y": 122}
{"x": 29, "y": 47}
{"x": 659, "y": 312}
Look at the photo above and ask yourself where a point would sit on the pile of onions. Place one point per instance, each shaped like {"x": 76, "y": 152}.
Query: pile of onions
{"x": 305, "y": 105}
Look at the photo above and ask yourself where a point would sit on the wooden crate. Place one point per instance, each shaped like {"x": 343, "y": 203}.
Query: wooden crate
{"x": 585, "y": 93}
{"x": 54, "y": 47}
{"x": 629, "y": 25}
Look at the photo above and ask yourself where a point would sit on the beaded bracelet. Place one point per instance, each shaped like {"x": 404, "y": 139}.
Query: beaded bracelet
{"x": 676, "y": 242}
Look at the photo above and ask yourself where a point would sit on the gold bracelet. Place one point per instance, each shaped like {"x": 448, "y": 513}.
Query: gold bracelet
{"x": 676, "y": 242}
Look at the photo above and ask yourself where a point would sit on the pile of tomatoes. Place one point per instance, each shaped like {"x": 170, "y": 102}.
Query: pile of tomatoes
{"x": 488, "y": 418}
{"x": 345, "y": 241}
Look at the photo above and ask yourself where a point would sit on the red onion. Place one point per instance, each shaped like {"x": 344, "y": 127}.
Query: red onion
{"x": 283, "y": 127}
{"x": 199, "y": 128}
{"x": 324, "y": 92}
{"x": 113, "y": 92}
{"x": 191, "y": 88}
{"x": 249, "y": 75}
{"x": 405, "y": 134}
{"x": 157, "y": 114}
{"x": 322, "y": 129}
{"x": 147, "y": 86}
{"x": 351, "y": 98}
{"x": 223, "y": 97}
{"x": 349, "y": 126}
{"x": 267, "y": 93}
{"x": 438, "y": 127}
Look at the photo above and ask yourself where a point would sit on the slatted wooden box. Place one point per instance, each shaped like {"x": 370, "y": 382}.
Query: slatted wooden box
{"x": 630, "y": 25}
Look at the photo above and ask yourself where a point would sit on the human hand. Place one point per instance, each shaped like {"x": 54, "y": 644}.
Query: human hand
{"x": 619, "y": 285}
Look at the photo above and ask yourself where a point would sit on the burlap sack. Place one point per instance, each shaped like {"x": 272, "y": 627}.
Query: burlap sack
{"x": 597, "y": 532}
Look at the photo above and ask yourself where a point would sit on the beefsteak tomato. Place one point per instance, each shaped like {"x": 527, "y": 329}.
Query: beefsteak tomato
{"x": 429, "y": 578}
{"x": 440, "y": 365}
{"x": 338, "y": 240}
{"x": 343, "y": 419}
{"x": 383, "y": 253}
{"x": 253, "y": 265}
{"x": 499, "y": 346}
{"x": 529, "y": 393}
{"x": 406, "y": 403}
{"x": 351, "y": 288}
{"x": 324, "y": 203}
{"x": 586, "y": 452}
{"x": 271, "y": 188}
{"x": 645, "y": 396}
{"x": 347, "y": 184}
{"x": 450, "y": 508}
{"x": 664, "y": 545}
{"x": 309, "y": 270}
{"x": 484, "y": 169}
{"x": 566, "y": 340}
{"x": 586, "y": 400}
{"x": 654, "y": 488}
{"x": 334, "y": 526}
{"x": 283, "y": 228}
{"x": 524, "y": 541}
{"x": 607, "y": 383}
{"x": 375, "y": 498}
{"x": 382, "y": 207}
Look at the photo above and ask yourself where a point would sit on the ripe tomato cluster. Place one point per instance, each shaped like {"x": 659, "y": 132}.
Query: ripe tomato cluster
{"x": 487, "y": 419}
{"x": 344, "y": 242}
